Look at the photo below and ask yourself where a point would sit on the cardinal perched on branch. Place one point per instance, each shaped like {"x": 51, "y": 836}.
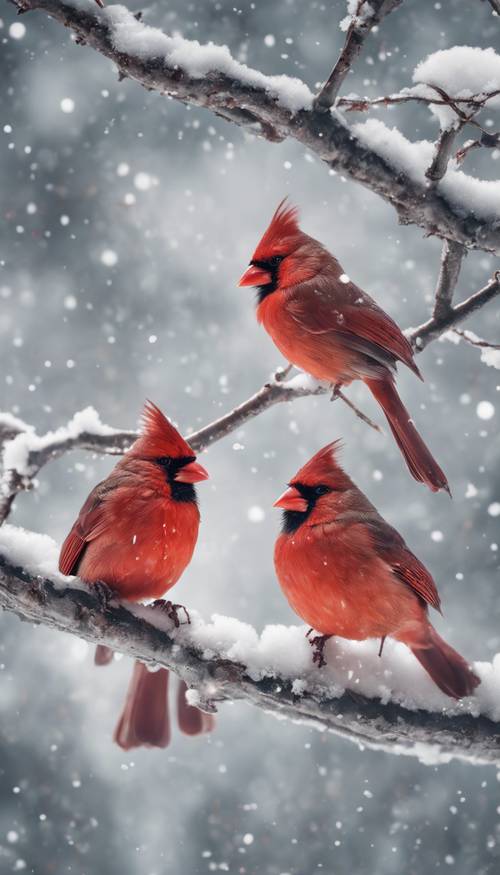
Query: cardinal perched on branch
{"x": 135, "y": 535}
{"x": 328, "y": 327}
{"x": 347, "y": 572}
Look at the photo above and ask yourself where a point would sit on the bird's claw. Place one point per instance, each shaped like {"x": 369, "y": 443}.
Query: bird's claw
{"x": 318, "y": 645}
{"x": 172, "y": 611}
{"x": 335, "y": 391}
{"x": 104, "y": 594}
{"x": 382, "y": 642}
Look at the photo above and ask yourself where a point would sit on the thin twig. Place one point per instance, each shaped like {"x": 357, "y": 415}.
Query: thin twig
{"x": 360, "y": 104}
{"x": 359, "y": 413}
{"x": 475, "y": 341}
{"x": 490, "y": 140}
{"x": 367, "y": 15}
{"x": 136, "y": 633}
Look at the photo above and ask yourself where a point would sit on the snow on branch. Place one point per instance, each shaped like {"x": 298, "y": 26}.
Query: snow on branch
{"x": 459, "y": 208}
{"x": 25, "y": 452}
{"x": 490, "y": 352}
{"x": 362, "y": 18}
{"x": 386, "y": 703}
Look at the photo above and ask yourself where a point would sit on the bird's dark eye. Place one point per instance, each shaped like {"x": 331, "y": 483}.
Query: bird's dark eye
{"x": 322, "y": 490}
{"x": 164, "y": 461}
{"x": 276, "y": 259}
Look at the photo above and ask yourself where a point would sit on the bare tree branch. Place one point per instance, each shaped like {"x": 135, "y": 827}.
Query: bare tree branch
{"x": 423, "y": 335}
{"x": 488, "y": 139}
{"x": 360, "y": 104}
{"x": 77, "y": 610}
{"x": 366, "y": 17}
{"x": 451, "y": 262}
{"x": 264, "y": 109}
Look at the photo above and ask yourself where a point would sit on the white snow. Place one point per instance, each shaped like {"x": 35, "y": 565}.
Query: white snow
{"x": 469, "y": 195}
{"x": 67, "y": 105}
{"x": 16, "y": 452}
{"x": 357, "y": 12}
{"x": 284, "y": 651}
{"x": 38, "y": 554}
{"x": 17, "y": 30}
{"x": 197, "y": 60}
{"x": 462, "y": 72}
{"x": 8, "y": 420}
{"x": 491, "y": 357}
{"x": 304, "y": 382}
{"x": 109, "y": 257}
{"x": 485, "y": 410}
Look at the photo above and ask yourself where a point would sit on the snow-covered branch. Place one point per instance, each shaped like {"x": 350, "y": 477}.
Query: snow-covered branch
{"x": 363, "y": 17}
{"x": 386, "y": 702}
{"x": 474, "y": 340}
{"x": 460, "y": 208}
{"x": 25, "y": 452}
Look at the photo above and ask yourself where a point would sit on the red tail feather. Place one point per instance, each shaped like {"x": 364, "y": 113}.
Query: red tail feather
{"x": 418, "y": 457}
{"x": 145, "y": 720}
{"x": 447, "y": 668}
{"x": 192, "y": 721}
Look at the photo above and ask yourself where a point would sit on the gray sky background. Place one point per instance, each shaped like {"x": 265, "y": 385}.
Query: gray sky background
{"x": 182, "y": 234}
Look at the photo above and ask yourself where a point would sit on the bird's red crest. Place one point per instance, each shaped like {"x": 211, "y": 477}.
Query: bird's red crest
{"x": 282, "y": 234}
{"x": 323, "y": 468}
{"x": 158, "y": 436}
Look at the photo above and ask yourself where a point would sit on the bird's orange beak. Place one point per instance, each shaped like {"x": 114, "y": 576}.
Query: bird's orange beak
{"x": 291, "y": 500}
{"x": 193, "y": 472}
{"x": 255, "y": 276}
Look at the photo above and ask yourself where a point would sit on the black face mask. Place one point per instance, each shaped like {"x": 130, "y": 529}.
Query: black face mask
{"x": 293, "y": 519}
{"x": 184, "y": 492}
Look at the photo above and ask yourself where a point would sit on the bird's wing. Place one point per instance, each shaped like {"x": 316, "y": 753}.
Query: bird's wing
{"x": 347, "y": 310}
{"x": 391, "y": 547}
{"x": 90, "y": 524}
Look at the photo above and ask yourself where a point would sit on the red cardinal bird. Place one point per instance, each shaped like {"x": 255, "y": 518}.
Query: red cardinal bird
{"x": 136, "y": 533}
{"x": 347, "y": 572}
{"x": 327, "y": 326}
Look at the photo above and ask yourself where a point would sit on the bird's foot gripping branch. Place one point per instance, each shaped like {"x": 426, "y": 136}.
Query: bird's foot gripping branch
{"x": 385, "y": 702}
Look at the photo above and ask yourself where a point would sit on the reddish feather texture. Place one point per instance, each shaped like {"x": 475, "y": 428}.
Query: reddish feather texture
{"x": 159, "y": 437}
{"x": 327, "y": 326}
{"x": 323, "y": 468}
{"x": 347, "y": 572}
{"x": 133, "y": 535}
{"x": 283, "y": 230}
